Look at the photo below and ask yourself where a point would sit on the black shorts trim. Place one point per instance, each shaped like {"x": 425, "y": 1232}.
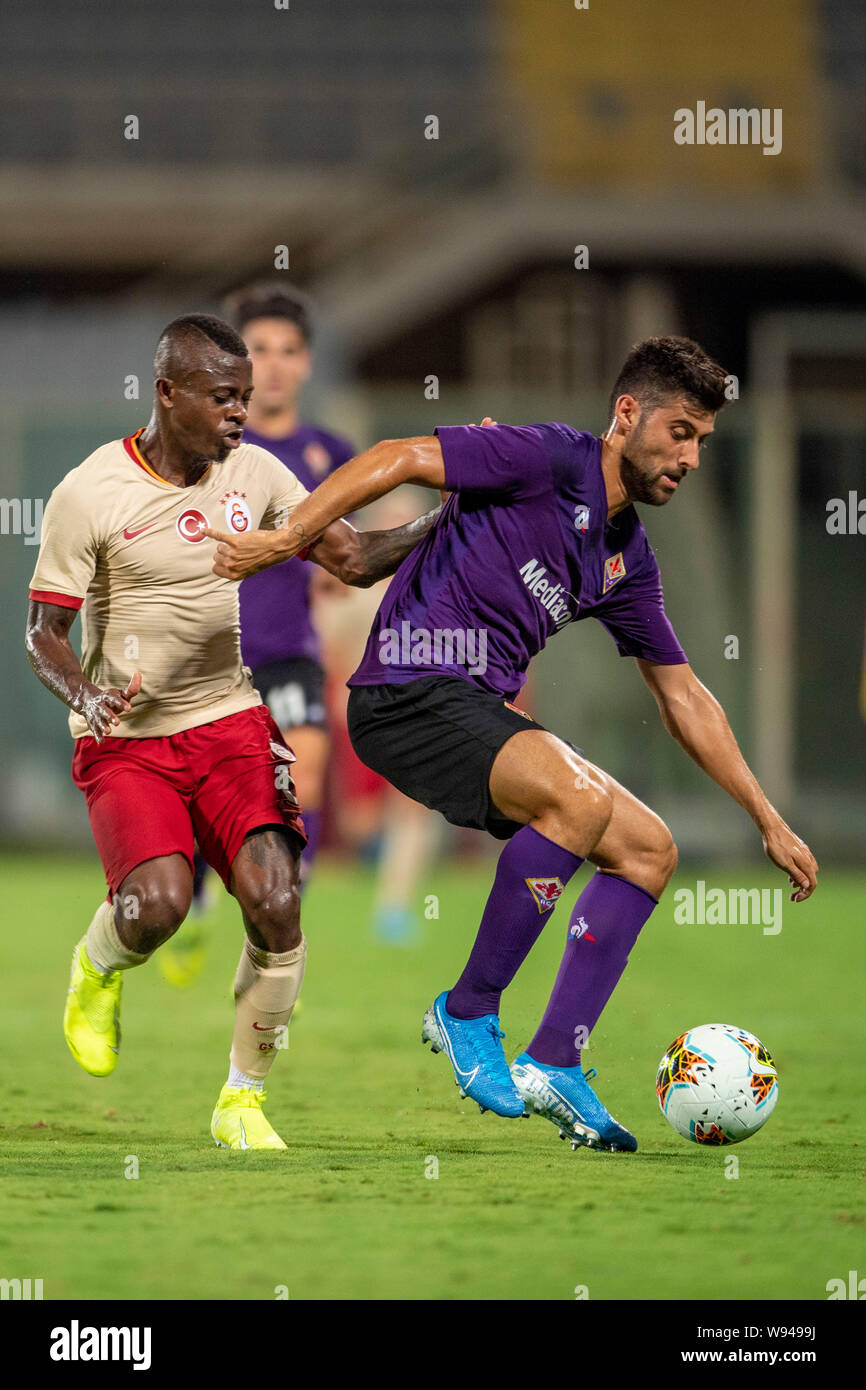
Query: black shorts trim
{"x": 435, "y": 739}
{"x": 294, "y": 691}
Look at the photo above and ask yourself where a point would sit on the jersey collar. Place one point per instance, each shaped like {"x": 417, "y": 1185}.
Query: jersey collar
{"x": 130, "y": 444}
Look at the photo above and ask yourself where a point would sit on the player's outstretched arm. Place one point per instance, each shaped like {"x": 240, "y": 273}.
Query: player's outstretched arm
{"x": 698, "y": 723}
{"x": 57, "y": 666}
{"x": 363, "y": 479}
{"x": 361, "y": 558}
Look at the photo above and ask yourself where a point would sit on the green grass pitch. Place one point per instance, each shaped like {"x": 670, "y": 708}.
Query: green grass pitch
{"x": 348, "y": 1212}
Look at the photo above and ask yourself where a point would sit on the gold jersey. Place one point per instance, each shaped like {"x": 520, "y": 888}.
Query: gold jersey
{"x": 129, "y": 550}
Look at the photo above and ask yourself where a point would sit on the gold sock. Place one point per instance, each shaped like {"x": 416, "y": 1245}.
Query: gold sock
{"x": 103, "y": 945}
{"x": 266, "y": 990}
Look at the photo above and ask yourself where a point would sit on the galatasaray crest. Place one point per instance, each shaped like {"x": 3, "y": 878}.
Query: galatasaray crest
{"x": 237, "y": 513}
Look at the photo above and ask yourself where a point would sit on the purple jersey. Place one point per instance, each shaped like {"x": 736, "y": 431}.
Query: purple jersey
{"x": 521, "y": 549}
{"x": 275, "y": 603}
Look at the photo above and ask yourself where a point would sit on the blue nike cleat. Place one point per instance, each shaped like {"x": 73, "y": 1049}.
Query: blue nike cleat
{"x": 474, "y": 1049}
{"x": 564, "y": 1096}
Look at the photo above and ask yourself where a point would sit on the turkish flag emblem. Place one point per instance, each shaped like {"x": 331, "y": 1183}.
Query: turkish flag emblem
{"x": 191, "y": 525}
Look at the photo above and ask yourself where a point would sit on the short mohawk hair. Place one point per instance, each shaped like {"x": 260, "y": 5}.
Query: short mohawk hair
{"x": 182, "y": 331}
{"x": 659, "y": 368}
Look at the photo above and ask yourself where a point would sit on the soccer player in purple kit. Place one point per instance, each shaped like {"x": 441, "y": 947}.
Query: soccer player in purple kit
{"x": 540, "y": 531}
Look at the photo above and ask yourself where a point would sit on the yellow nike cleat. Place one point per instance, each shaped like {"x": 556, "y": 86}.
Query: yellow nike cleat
{"x": 91, "y": 1019}
{"x": 181, "y": 959}
{"x": 238, "y": 1121}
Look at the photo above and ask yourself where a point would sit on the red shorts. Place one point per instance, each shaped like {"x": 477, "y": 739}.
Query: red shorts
{"x": 148, "y": 797}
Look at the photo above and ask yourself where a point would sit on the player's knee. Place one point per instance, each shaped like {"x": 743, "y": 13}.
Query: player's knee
{"x": 151, "y": 913}
{"x": 274, "y": 911}
{"x": 671, "y": 859}
{"x": 588, "y": 805}
{"x": 664, "y": 854}
{"x": 166, "y": 908}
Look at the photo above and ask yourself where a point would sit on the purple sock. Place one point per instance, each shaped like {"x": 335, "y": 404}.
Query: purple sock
{"x": 313, "y": 826}
{"x": 531, "y": 873}
{"x": 604, "y": 926}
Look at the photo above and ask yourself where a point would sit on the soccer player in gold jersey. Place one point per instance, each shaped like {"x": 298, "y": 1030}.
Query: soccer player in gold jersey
{"x": 172, "y": 740}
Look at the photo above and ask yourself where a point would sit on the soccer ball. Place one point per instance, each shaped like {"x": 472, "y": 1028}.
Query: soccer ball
{"x": 717, "y": 1084}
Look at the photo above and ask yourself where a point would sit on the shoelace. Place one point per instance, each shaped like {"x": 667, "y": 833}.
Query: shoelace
{"x": 492, "y": 1054}
{"x": 258, "y": 1097}
{"x": 587, "y": 1076}
{"x": 100, "y": 1013}
{"x": 100, "y": 1007}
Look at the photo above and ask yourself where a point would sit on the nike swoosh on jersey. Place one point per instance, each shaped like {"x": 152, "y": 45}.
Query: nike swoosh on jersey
{"x": 130, "y": 535}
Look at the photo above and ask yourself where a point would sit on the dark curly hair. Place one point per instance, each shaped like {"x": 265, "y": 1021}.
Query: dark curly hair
{"x": 659, "y": 368}
{"x": 270, "y": 299}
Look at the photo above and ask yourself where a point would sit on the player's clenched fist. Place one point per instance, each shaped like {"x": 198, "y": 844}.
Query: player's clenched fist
{"x": 239, "y": 556}
{"x": 102, "y": 708}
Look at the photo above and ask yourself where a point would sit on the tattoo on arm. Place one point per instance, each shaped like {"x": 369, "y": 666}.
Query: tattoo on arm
{"x": 384, "y": 551}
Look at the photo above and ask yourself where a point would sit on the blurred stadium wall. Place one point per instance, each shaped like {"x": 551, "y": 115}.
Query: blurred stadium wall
{"x": 432, "y": 170}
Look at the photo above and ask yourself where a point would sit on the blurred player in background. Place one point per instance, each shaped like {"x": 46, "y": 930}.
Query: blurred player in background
{"x": 284, "y": 656}
{"x": 183, "y": 747}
